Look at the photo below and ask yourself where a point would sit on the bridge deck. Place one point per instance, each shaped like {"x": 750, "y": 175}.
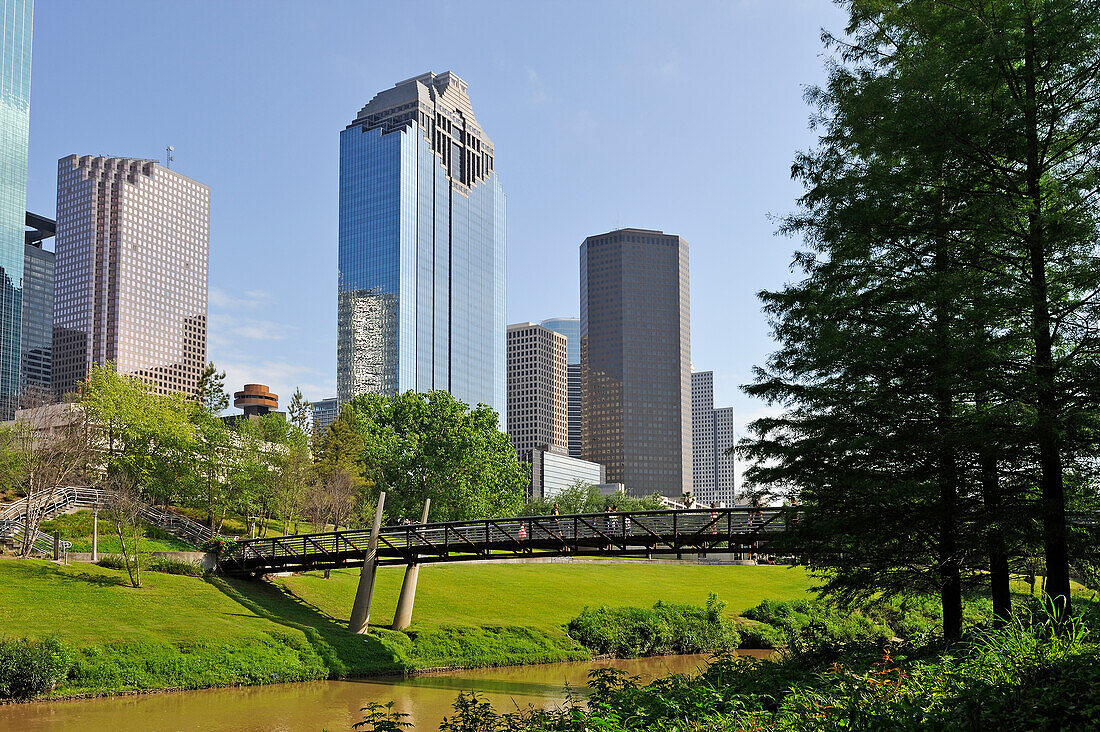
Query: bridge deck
{"x": 633, "y": 533}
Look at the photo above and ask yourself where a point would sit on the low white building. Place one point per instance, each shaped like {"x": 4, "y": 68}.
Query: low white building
{"x": 553, "y": 472}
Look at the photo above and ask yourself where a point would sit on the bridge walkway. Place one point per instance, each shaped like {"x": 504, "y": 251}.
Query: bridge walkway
{"x": 629, "y": 533}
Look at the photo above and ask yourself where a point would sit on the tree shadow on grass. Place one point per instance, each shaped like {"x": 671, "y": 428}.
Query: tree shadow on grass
{"x": 80, "y": 576}
{"x": 343, "y": 653}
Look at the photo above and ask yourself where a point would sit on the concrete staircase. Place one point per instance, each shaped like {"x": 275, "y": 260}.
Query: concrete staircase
{"x": 76, "y": 498}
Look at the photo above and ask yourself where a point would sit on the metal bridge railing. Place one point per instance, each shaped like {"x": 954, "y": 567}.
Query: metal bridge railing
{"x": 625, "y": 532}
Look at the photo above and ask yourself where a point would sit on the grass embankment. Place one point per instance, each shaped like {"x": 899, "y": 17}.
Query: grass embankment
{"x": 77, "y": 528}
{"x": 184, "y": 632}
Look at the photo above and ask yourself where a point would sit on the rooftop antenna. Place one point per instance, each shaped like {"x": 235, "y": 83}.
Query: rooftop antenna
{"x": 168, "y": 156}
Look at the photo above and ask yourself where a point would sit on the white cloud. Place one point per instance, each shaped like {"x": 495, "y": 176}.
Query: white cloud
{"x": 537, "y": 90}
{"x": 281, "y": 377}
{"x": 249, "y": 299}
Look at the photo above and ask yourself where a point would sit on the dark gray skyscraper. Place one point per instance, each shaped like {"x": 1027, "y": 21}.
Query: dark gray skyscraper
{"x": 636, "y": 359}
{"x": 422, "y": 238}
{"x": 37, "y": 321}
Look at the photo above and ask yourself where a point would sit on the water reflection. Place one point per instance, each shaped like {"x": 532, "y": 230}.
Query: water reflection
{"x": 331, "y": 705}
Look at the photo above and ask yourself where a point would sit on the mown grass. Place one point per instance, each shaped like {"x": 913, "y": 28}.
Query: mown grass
{"x": 548, "y": 596}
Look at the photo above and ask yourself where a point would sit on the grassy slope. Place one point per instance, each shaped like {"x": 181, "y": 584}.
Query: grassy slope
{"x": 187, "y": 632}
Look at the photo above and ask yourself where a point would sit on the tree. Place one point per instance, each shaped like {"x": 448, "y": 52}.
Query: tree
{"x": 952, "y": 271}
{"x": 418, "y": 446}
{"x": 211, "y": 392}
{"x": 123, "y": 509}
{"x": 45, "y": 450}
{"x": 300, "y": 412}
{"x": 149, "y": 438}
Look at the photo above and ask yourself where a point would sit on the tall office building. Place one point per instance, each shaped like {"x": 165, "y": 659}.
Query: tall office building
{"x": 702, "y": 435}
{"x": 571, "y": 329}
{"x": 325, "y": 413}
{"x": 132, "y": 248}
{"x": 636, "y": 359}
{"x": 15, "y": 97}
{"x": 712, "y": 434}
{"x": 422, "y": 248}
{"x": 36, "y": 329}
{"x": 725, "y": 437}
{"x": 537, "y": 406}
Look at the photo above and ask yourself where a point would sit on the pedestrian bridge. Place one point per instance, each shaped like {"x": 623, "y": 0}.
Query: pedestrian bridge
{"x": 621, "y": 534}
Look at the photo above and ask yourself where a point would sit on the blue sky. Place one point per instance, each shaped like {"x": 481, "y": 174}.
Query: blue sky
{"x": 679, "y": 116}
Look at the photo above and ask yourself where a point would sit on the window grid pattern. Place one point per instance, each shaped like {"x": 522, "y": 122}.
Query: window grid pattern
{"x": 15, "y": 88}
{"x": 131, "y": 272}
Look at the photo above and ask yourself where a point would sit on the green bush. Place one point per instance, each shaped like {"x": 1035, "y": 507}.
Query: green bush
{"x": 629, "y": 632}
{"x": 167, "y": 565}
{"x": 112, "y": 561}
{"x": 30, "y": 668}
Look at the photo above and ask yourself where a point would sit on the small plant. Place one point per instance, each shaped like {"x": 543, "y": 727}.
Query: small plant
{"x": 382, "y": 718}
{"x": 30, "y": 668}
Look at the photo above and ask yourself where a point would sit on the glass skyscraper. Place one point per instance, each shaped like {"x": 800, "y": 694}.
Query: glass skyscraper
{"x": 15, "y": 95}
{"x": 422, "y": 248}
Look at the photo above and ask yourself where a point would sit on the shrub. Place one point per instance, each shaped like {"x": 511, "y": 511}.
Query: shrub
{"x": 628, "y": 632}
{"x": 112, "y": 561}
{"x": 30, "y": 668}
{"x": 220, "y": 545}
{"x": 167, "y": 565}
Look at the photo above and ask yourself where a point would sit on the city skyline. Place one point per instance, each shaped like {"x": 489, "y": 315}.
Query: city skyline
{"x": 568, "y": 127}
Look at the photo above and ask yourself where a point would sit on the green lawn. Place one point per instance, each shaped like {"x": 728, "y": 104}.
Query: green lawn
{"x": 547, "y": 596}
{"x": 186, "y": 632}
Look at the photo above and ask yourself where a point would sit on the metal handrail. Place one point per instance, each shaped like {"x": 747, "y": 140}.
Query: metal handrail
{"x": 658, "y": 531}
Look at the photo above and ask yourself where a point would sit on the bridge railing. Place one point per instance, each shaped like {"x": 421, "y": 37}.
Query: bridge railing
{"x": 662, "y": 531}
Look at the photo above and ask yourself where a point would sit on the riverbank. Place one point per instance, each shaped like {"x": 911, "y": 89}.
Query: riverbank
{"x": 189, "y": 633}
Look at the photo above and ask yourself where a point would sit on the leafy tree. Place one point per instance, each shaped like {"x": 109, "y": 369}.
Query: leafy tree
{"x": 211, "y": 393}
{"x": 418, "y": 446}
{"x": 149, "y": 437}
{"x": 938, "y": 347}
{"x": 581, "y": 497}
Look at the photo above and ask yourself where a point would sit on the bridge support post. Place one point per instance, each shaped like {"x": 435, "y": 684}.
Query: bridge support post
{"x": 95, "y": 536}
{"x": 403, "y": 617}
{"x": 364, "y": 593}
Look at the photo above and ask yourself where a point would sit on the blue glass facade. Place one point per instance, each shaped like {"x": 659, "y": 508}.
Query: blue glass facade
{"x": 422, "y": 252}
{"x": 15, "y": 94}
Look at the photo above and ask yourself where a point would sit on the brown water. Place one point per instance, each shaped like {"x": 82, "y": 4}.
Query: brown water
{"x": 331, "y": 705}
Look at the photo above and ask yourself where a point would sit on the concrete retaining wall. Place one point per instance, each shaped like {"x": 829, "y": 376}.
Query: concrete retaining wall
{"x": 209, "y": 560}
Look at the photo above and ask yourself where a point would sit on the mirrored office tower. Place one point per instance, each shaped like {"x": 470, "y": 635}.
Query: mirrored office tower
{"x": 130, "y": 276}
{"x": 422, "y": 248}
{"x": 636, "y": 360}
{"x": 15, "y": 95}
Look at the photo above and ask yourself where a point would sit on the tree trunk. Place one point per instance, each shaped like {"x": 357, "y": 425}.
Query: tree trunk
{"x": 1047, "y": 412}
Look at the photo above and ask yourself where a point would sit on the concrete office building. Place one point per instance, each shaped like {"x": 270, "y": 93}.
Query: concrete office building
{"x": 325, "y": 413}
{"x": 36, "y": 328}
{"x": 15, "y": 97}
{"x": 422, "y": 248}
{"x": 713, "y": 434}
{"x": 702, "y": 435}
{"x": 636, "y": 359}
{"x": 537, "y": 406}
{"x": 131, "y": 277}
{"x": 553, "y": 472}
{"x": 725, "y": 437}
{"x": 571, "y": 329}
